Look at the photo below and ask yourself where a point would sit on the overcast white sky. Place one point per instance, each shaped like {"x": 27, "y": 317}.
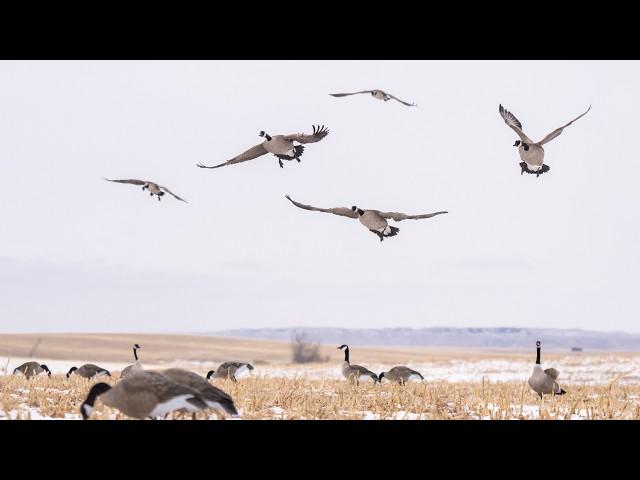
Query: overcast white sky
{"x": 81, "y": 254}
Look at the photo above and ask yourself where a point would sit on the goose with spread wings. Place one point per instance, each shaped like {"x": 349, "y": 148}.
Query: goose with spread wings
{"x": 154, "y": 188}
{"x": 377, "y": 94}
{"x": 532, "y": 153}
{"x": 281, "y": 146}
{"x": 374, "y": 220}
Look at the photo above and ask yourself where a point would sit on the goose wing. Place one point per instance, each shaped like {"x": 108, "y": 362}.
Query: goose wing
{"x": 131, "y": 180}
{"x": 402, "y": 101}
{"x": 558, "y": 131}
{"x": 511, "y": 120}
{"x": 173, "y": 194}
{"x": 346, "y": 94}
{"x": 398, "y": 217}
{"x": 552, "y": 372}
{"x": 319, "y": 132}
{"x": 253, "y": 152}
{"x": 342, "y": 211}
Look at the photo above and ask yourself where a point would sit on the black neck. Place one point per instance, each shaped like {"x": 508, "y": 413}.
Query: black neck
{"x": 135, "y": 354}
{"x": 97, "y": 389}
{"x": 268, "y": 137}
{"x": 211, "y": 372}
{"x": 538, "y": 356}
{"x": 346, "y": 354}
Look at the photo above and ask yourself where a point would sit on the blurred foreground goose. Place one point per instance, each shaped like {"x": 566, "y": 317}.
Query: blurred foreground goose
{"x": 213, "y": 396}
{"x": 356, "y": 373}
{"x": 532, "y": 153}
{"x": 378, "y": 94}
{"x": 544, "y": 381}
{"x": 281, "y": 146}
{"x": 374, "y": 220}
{"x": 136, "y": 367}
{"x": 230, "y": 370}
{"x": 401, "y": 374}
{"x": 144, "y": 394}
{"x": 88, "y": 370}
{"x": 154, "y": 188}
{"x": 31, "y": 369}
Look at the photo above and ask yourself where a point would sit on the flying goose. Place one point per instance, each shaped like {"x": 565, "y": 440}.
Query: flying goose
{"x": 230, "y": 370}
{"x": 374, "y": 220}
{"x": 213, "y": 396}
{"x": 154, "y": 188}
{"x": 136, "y": 367}
{"x": 280, "y": 145}
{"x": 544, "y": 381}
{"x": 356, "y": 373}
{"x": 145, "y": 394}
{"x": 401, "y": 375}
{"x": 31, "y": 369}
{"x": 378, "y": 94}
{"x": 88, "y": 370}
{"x": 532, "y": 153}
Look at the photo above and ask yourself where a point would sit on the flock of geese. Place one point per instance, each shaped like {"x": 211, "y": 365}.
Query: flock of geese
{"x": 141, "y": 393}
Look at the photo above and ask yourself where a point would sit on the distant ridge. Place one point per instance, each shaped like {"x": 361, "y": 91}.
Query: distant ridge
{"x": 502, "y": 337}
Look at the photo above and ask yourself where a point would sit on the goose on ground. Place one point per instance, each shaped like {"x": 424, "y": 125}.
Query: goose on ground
{"x": 356, "y": 373}
{"x": 145, "y": 394}
{"x": 544, "y": 381}
{"x": 31, "y": 369}
{"x": 532, "y": 153}
{"x": 377, "y": 94}
{"x": 281, "y": 146}
{"x": 213, "y": 396}
{"x": 154, "y": 188}
{"x": 136, "y": 367}
{"x": 230, "y": 370}
{"x": 88, "y": 370}
{"x": 401, "y": 374}
{"x": 374, "y": 220}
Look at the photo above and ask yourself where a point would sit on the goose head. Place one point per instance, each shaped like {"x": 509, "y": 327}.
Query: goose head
{"x": 359, "y": 210}
{"x": 517, "y": 144}
{"x": 380, "y": 377}
{"x": 46, "y": 369}
{"x": 71, "y": 370}
{"x": 265, "y": 135}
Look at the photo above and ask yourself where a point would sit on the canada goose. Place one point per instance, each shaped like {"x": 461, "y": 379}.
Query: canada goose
{"x": 544, "y": 381}
{"x": 230, "y": 370}
{"x": 88, "y": 370}
{"x": 378, "y": 94}
{"x": 401, "y": 375}
{"x": 374, "y": 220}
{"x": 532, "y": 153}
{"x": 144, "y": 394}
{"x": 154, "y": 188}
{"x": 356, "y": 373}
{"x": 137, "y": 366}
{"x": 213, "y": 396}
{"x": 280, "y": 145}
{"x": 31, "y": 369}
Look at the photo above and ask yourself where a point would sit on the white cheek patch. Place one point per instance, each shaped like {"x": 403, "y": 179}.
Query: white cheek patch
{"x": 176, "y": 403}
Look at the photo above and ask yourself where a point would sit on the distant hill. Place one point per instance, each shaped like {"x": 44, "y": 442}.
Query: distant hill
{"x": 504, "y": 337}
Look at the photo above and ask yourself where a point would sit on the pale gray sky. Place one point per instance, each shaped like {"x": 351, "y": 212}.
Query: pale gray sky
{"x": 81, "y": 254}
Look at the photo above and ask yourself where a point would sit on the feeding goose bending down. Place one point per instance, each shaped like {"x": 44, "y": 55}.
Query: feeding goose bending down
{"x": 31, "y": 369}
{"x": 136, "y": 367}
{"x": 544, "y": 381}
{"x": 401, "y": 375}
{"x": 374, "y": 220}
{"x": 230, "y": 370}
{"x": 154, "y": 188}
{"x": 145, "y": 394}
{"x": 378, "y": 94}
{"x": 88, "y": 370}
{"x": 213, "y": 396}
{"x": 281, "y": 146}
{"x": 532, "y": 153}
{"x": 356, "y": 373}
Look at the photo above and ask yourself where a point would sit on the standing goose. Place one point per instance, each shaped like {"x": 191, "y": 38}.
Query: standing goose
{"x": 230, "y": 370}
{"x": 374, "y": 220}
{"x": 356, "y": 373}
{"x": 154, "y": 188}
{"x": 213, "y": 396}
{"x": 532, "y": 153}
{"x": 31, "y": 369}
{"x": 401, "y": 375}
{"x": 88, "y": 370}
{"x": 280, "y": 145}
{"x": 377, "y": 94}
{"x": 136, "y": 367}
{"x": 544, "y": 381}
{"x": 145, "y": 394}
